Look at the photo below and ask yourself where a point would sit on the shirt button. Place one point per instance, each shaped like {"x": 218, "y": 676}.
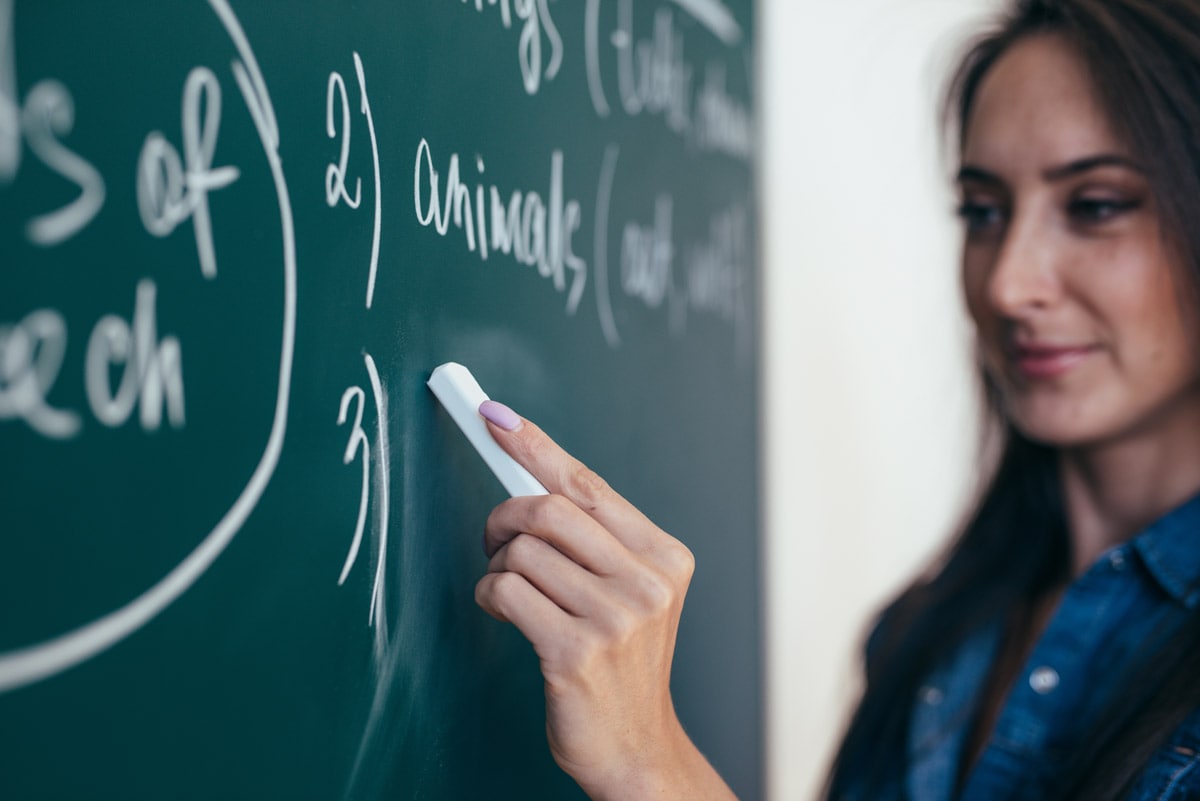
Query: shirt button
{"x": 1043, "y": 680}
{"x": 931, "y": 695}
{"x": 1117, "y": 560}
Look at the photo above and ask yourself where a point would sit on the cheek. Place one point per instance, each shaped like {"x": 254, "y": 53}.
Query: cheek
{"x": 1155, "y": 335}
{"x": 1168, "y": 346}
{"x": 987, "y": 324}
{"x": 974, "y": 279}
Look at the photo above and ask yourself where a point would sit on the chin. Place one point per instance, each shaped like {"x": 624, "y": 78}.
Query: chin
{"x": 1062, "y": 430}
{"x": 1056, "y": 436}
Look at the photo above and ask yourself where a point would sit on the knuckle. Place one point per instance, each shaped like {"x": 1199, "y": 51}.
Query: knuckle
{"x": 535, "y": 449}
{"x": 656, "y": 595}
{"x": 577, "y": 655}
{"x": 618, "y": 625}
{"x": 681, "y": 562}
{"x": 585, "y": 486}
{"x": 504, "y": 587}
{"x": 674, "y": 559}
{"x": 485, "y": 590}
{"x": 546, "y": 513}
{"x": 491, "y": 529}
{"x": 498, "y": 513}
{"x": 522, "y": 551}
{"x": 485, "y": 596}
{"x": 499, "y": 522}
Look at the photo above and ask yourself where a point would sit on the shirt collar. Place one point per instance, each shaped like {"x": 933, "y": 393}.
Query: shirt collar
{"x": 1170, "y": 549}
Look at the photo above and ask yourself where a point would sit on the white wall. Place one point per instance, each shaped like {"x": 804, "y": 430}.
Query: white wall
{"x": 870, "y": 410}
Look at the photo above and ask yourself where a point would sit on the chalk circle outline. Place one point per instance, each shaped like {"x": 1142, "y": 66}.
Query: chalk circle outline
{"x": 31, "y": 664}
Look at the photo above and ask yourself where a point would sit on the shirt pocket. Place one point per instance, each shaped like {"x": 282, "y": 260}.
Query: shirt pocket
{"x": 1173, "y": 774}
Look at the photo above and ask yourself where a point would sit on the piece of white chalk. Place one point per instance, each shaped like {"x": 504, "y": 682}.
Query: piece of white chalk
{"x": 461, "y": 394}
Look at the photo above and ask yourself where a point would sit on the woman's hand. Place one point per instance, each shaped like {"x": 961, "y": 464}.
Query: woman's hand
{"x": 598, "y": 590}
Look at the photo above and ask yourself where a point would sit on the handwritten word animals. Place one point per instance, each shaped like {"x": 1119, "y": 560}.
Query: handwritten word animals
{"x": 537, "y": 231}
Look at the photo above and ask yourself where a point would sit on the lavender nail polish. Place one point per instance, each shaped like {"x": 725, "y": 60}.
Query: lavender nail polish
{"x": 500, "y": 415}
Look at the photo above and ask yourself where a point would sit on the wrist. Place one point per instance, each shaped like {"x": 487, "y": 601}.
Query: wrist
{"x": 670, "y": 769}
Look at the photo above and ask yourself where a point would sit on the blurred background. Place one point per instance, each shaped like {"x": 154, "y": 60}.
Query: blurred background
{"x": 871, "y": 417}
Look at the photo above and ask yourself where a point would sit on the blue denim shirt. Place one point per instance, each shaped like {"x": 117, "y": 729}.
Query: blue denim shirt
{"x": 1104, "y": 619}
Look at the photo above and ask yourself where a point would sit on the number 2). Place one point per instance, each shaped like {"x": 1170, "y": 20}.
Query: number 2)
{"x": 335, "y": 174}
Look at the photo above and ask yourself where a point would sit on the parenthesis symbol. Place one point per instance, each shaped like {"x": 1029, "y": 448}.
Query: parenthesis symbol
{"x": 608, "y": 171}
{"x": 592, "y": 44}
{"x": 366, "y": 110}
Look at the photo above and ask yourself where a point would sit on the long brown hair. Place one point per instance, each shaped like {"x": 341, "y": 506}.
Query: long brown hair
{"x": 1144, "y": 57}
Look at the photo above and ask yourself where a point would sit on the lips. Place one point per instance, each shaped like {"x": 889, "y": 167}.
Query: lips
{"x": 1039, "y": 361}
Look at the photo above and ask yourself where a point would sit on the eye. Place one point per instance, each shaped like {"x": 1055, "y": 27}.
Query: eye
{"x": 980, "y": 216}
{"x": 1096, "y": 210}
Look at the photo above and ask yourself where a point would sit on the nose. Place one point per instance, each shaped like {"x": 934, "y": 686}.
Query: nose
{"x": 1023, "y": 278}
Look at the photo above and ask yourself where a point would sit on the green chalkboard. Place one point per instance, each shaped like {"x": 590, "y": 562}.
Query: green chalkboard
{"x": 239, "y": 538}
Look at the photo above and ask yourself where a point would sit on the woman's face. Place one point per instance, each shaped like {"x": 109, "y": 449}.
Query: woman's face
{"x": 1065, "y": 270}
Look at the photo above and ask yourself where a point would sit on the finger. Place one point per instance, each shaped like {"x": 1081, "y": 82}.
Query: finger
{"x": 569, "y": 586}
{"x": 559, "y": 522}
{"x": 564, "y": 475}
{"x": 510, "y": 598}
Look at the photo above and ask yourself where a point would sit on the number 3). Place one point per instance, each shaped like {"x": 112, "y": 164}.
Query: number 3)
{"x": 358, "y": 442}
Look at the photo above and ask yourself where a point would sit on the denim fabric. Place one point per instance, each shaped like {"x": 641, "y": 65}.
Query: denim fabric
{"x": 1134, "y": 595}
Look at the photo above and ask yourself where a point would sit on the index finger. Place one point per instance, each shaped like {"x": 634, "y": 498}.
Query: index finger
{"x": 563, "y": 474}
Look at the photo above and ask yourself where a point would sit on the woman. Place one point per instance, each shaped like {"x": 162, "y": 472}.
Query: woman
{"x": 1055, "y": 651}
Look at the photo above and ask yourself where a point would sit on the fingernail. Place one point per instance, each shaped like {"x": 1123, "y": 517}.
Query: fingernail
{"x": 500, "y": 415}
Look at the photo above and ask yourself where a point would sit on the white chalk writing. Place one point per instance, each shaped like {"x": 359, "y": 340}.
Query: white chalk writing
{"x": 722, "y": 123}
{"x": 335, "y": 172}
{"x": 536, "y": 22}
{"x": 713, "y": 15}
{"x": 152, "y": 370}
{"x": 48, "y": 113}
{"x": 10, "y": 111}
{"x": 710, "y": 279}
{"x": 718, "y": 270}
{"x": 604, "y": 187}
{"x": 31, "y": 356}
{"x": 654, "y": 76}
{"x": 534, "y": 231}
{"x": 170, "y": 189}
{"x": 360, "y": 446}
{"x": 647, "y": 255}
{"x": 40, "y": 660}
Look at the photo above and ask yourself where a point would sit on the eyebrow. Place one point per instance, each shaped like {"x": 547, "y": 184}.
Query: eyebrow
{"x": 970, "y": 172}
